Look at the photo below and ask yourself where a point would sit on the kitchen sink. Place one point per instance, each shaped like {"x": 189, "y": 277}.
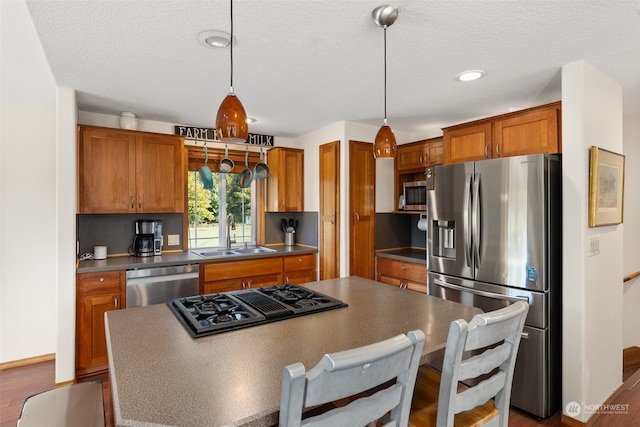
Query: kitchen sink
{"x": 256, "y": 250}
{"x": 209, "y": 253}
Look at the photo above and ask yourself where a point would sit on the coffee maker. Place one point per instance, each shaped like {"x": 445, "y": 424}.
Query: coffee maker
{"x": 148, "y": 238}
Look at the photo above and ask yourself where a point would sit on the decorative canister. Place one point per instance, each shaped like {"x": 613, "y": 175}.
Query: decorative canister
{"x": 128, "y": 120}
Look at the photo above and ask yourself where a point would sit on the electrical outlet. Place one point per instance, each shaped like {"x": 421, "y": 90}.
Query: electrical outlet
{"x": 594, "y": 246}
{"x": 173, "y": 239}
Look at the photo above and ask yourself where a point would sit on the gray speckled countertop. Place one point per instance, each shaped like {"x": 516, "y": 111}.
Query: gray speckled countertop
{"x": 178, "y": 258}
{"x": 162, "y": 376}
{"x": 405, "y": 254}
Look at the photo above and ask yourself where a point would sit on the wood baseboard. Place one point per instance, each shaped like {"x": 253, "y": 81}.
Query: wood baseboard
{"x": 631, "y": 357}
{"x": 27, "y": 361}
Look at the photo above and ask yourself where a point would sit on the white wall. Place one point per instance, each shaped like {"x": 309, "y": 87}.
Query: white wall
{"x": 28, "y": 249}
{"x": 631, "y": 289}
{"x": 592, "y": 291}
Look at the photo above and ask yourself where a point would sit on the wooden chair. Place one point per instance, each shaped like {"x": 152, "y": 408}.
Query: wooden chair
{"x": 75, "y": 405}
{"x": 439, "y": 400}
{"x": 390, "y": 365}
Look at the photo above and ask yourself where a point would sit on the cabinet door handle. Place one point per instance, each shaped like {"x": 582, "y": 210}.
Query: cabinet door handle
{"x": 421, "y": 159}
{"x": 139, "y": 202}
{"x": 333, "y": 219}
{"x": 101, "y": 279}
{"x": 283, "y": 205}
{"x": 357, "y": 217}
{"x": 132, "y": 202}
{"x": 486, "y": 151}
{"x": 249, "y": 283}
{"x": 286, "y": 279}
{"x": 403, "y": 268}
{"x": 115, "y": 302}
{"x": 498, "y": 149}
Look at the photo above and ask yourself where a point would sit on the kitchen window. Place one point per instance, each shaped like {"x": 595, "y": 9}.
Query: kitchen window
{"x": 209, "y": 210}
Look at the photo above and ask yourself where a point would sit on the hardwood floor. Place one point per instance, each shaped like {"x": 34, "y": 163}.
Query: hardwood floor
{"x": 16, "y": 384}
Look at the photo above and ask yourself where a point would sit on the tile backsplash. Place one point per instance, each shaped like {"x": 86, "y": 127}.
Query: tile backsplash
{"x": 116, "y": 231}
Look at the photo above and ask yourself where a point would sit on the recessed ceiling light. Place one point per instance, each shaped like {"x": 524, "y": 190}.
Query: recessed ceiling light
{"x": 468, "y": 76}
{"x": 215, "y": 38}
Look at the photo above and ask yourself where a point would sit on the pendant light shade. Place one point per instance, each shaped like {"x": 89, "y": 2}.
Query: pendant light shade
{"x": 231, "y": 121}
{"x": 385, "y": 143}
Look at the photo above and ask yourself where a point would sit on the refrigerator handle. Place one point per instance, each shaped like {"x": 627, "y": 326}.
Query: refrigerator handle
{"x": 479, "y": 292}
{"x": 477, "y": 223}
{"x": 467, "y": 215}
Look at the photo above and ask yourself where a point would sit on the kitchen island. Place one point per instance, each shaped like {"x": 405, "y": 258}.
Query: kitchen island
{"x": 161, "y": 376}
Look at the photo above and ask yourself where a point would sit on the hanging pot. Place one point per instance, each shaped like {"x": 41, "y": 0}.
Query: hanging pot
{"x": 226, "y": 164}
{"x": 247, "y": 175}
{"x": 205, "y": 172}
{"x": 261, "y": 170}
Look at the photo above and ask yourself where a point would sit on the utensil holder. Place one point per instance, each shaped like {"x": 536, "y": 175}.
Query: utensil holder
{"x": 289, "y": 238}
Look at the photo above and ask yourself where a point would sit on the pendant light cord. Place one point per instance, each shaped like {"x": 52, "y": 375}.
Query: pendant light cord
{"x": 231, "y": 47}
{"x": 385, "y": 74}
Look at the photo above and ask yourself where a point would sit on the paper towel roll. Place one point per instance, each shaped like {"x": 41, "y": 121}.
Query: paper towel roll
{"x": 99, "y": 252}
{"x": 422, "y": 223}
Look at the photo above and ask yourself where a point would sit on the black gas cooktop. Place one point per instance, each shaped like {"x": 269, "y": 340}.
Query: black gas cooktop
{"x": 210, "y": 314}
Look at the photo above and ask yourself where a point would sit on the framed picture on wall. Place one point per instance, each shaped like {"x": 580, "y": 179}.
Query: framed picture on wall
{"x": 606, "y": 187}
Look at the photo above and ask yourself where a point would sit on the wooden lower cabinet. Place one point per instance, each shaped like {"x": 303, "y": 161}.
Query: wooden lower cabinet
{"x": 96, "y": 293}
{"x": 300, "y": 269}
{"x": 404, "y": 274}
{"x": 244, "y": 274}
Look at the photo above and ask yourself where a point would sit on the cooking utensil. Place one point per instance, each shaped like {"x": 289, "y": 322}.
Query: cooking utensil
{"x": 247, "y": 175}
{"x": 291, "y": 222}
{"x": 205, "y": 172}
{"x": 261, "y": 170}
{"x": 283, "y": 224}
{"x": 226, "y": 164}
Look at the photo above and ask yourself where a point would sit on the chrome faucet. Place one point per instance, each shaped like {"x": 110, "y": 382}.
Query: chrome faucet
{"x": 231, "y": 225}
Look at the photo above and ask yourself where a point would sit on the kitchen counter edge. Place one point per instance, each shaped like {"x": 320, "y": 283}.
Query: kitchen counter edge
{"x": 406, "y": 254}
{"x": 181, "y": 258}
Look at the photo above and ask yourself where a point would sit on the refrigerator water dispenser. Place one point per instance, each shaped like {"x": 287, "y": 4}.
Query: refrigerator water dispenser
{"x": 443, "y": 243}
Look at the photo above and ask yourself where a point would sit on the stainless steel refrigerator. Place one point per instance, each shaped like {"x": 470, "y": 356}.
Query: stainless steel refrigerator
{"x": 494, "y": 237}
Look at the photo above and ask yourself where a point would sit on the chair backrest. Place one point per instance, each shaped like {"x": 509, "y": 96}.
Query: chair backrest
{"x": 75, "y": 405}
{"x": 392, "y": 363}
{"x": 493, "y": 338}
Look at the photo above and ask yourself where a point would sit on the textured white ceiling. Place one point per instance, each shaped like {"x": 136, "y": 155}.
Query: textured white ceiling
{"x": 302, "y": 65}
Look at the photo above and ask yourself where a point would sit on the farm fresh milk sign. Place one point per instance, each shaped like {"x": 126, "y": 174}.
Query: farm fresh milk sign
{"x": 209, "y": 134}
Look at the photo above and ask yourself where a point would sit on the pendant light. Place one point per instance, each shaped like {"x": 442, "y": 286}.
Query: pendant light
{"x": 231, "y": 121}
{"x": 385, "y": 142}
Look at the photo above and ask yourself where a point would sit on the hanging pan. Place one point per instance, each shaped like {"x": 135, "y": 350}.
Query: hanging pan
{"x": 247, "y": 175}
{"x": 261, "y": 170}
{"x": 205, "y": 171}
{"x": 226, "y": 164}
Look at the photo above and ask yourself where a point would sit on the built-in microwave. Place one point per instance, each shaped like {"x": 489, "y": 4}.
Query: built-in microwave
{"x": 415, "y": 195}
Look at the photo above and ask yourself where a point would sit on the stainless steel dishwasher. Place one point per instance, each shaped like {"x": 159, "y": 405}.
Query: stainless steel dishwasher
{"x": 156, "y": 285}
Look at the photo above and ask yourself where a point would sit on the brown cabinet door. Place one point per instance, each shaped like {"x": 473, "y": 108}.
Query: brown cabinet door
{"x": 300, "y": 277}
{"x": 411, "y": 156}
{"x": 468, "y": 143}
{"x": 96, "y": 293}
{"x": 285, "y": 184}
{"x": 435, "y": 153}
{"x": 160, "y": 174}
{"x": 530, "y": 133}
{"x": 240, "y": 283}
{"x": 106, "y": 182}
{"x": 128, "y": 171}
{"x": 330, "y": 210}
{"x": 362, "y": 206}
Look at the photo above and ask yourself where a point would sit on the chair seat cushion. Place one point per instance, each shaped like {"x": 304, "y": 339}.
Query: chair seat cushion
{"x": 424, "y": 407}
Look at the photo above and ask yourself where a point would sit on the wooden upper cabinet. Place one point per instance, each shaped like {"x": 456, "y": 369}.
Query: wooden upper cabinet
{"x": 123, "y": 171}
{"x": 467, "y": 144}
{"x": 285, "y": 184}
{"x": 419, "y": 154}
{"x": 531, "y": 131}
